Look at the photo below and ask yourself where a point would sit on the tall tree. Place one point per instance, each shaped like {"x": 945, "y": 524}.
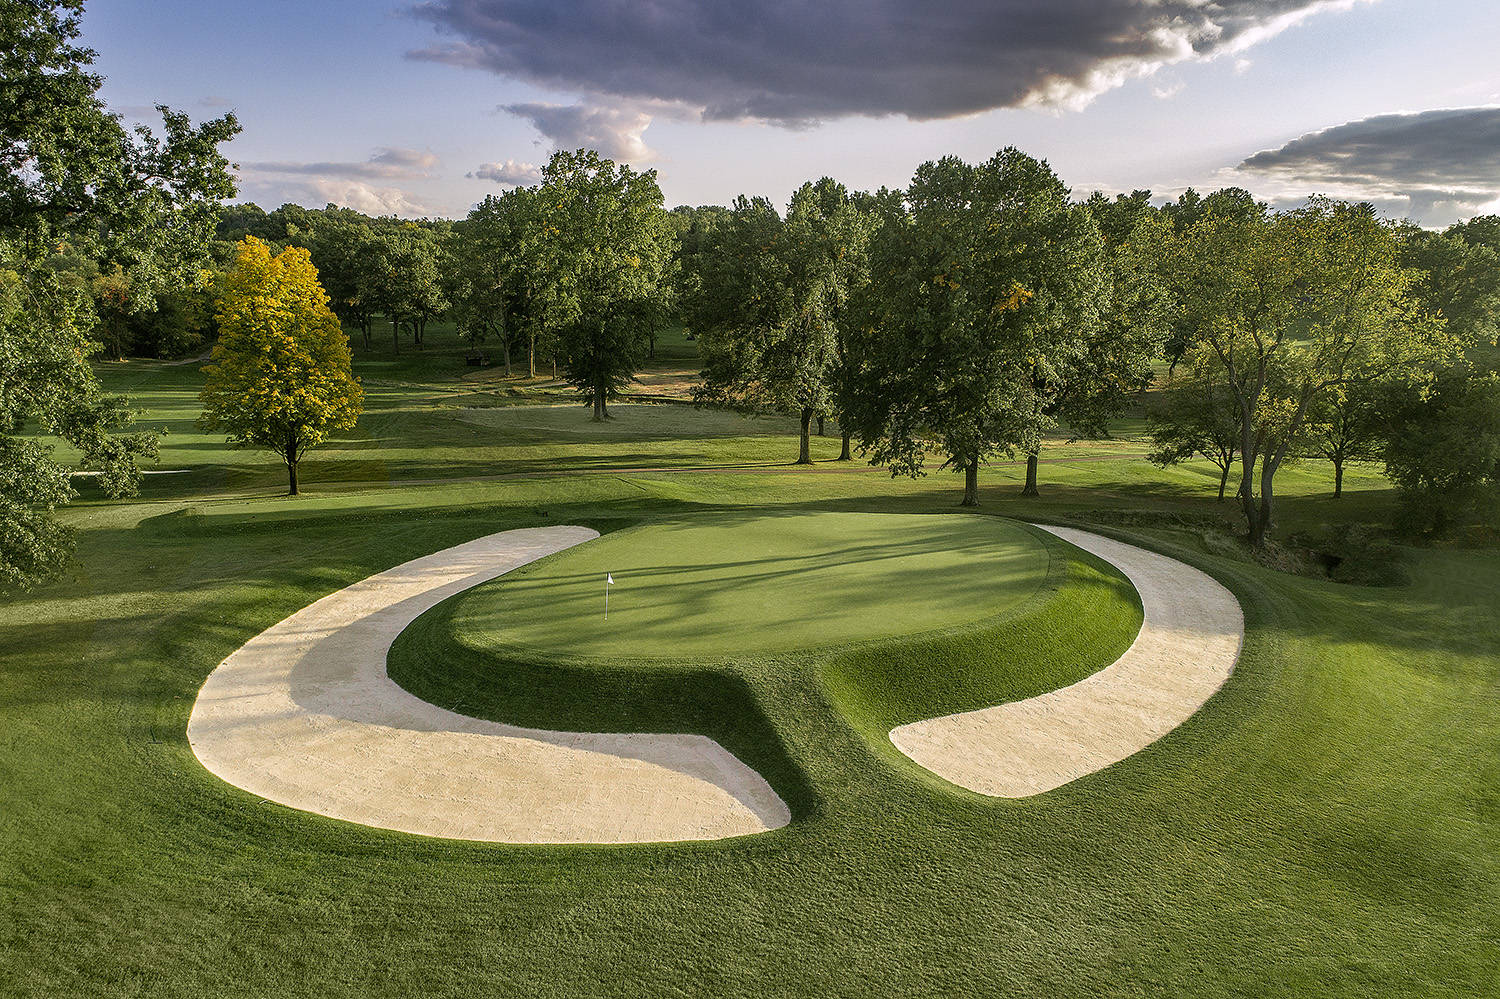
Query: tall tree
{"x": 986, "y": 281}
{"x": 140, "y": 200}
{"x": 1458, "y": 279}
{"x": 1292, "y": 307}
{"x": 771, "y": 303}
{"x": 1194, "y": 418}
{"x": 604, "y": 243}
{"x": 1119, "y": 331}
{"x": 280, "y": 376}
{"x": 1444, "y": 447}
{"x": 343, "y": 246}
{"x": 499, "y": 257}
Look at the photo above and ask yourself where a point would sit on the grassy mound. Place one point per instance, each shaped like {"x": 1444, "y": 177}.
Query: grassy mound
{"x": 724, "y": 586}
{"x": 928, "y": 614}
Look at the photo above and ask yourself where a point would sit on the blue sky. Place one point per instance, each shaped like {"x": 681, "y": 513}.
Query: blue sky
{"x": 389, "y": 109}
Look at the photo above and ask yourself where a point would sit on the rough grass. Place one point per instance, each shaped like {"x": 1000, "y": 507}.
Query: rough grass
{"x": 1329, "y": 824}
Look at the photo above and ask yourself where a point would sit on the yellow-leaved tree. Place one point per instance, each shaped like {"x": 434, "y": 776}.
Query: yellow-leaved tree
{"x": 280, "y": 376}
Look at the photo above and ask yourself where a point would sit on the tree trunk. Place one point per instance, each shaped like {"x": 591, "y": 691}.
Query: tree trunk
{"x": 292, "y": 457}
{"x": 1338, "y": 477}
{"x": 1247, "y": 482}
{"x": 531, "y": 355}
{"x": 600, "y": 413}
{"x": 1224, "y": 479}
{"x": 821, "y": 418}
{"x": 844, "y": 451}
{"x": 971, "y": 482}
{"x": 1031, "y": 463}
{"x": 804, "y": 454}
{"x": 651, "y": 345}
{"x": 1261, "y": 526}
{"x": 395, "y": 336}
{"x": 419, "y": 330}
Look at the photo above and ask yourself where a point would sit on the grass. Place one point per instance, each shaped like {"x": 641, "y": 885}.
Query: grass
{"x": 1329, "y": 824}
{"x": 730, "y": 585}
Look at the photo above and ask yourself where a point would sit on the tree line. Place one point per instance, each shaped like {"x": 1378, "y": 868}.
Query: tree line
{"x": 969, "y": 315}
{"x": 962, "y": 318}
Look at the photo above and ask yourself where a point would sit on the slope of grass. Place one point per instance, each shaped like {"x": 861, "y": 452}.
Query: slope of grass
{"x": 741, "y": 584}
{"x": 1329, "y": 824}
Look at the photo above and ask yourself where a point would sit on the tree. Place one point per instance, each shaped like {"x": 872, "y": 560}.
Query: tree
{"x": 1292, "y": 307}
{"x": 73, "y": 179}
{"x": 772, "y": 299}
{"x": 1444, "y": 447}
{"x": 1457, "y": 279}
{"x": 985, "y": 286}
{"x": 1348, "y": 424}
{"x": 280, "y": 377}
{"x": 498, "y": 273}
{"x": 1194, "y": 418}
{"x": 603, "y": 243}
{"x": 404, "y": 279}
{"x": 1108, "y": 365}
{"x": 343, "y": 245}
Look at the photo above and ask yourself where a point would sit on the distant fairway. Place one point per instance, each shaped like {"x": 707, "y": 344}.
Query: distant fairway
{"x": 719, "y": 586}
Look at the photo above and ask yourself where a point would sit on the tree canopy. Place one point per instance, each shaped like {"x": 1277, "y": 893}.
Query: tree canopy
{"x": 986, "y": 286}
{"x": 75, "y": 185}
{"x": 280, "y": 376}
{"x": 602, "y": 242}
{"x": 1291, "y": 307}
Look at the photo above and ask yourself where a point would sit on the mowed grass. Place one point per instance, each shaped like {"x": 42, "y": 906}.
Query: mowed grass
{"x": 729, "y": 585}
{"x": 1329, "y": 824}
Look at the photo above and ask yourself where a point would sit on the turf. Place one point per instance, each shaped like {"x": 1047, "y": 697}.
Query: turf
{"x": 730, "y": 585}
{"x": 1329, "y": 824}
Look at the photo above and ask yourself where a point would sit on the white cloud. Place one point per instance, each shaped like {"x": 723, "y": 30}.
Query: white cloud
{"x": 513, "y": 173}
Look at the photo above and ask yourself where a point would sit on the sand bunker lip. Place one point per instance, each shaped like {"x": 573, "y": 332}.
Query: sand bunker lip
{"x": 304, "y": 715}
{"x": 1190, "y": 639}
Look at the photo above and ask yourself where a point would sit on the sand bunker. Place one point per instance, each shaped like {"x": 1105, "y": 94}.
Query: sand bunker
{"x": 305, "y": 715}
{"x": 1188, "y": 645}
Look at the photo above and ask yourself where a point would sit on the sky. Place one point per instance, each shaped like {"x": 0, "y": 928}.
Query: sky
{"x": 424, "y": 108}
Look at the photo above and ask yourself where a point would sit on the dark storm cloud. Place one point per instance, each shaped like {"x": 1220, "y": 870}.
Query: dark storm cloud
{"x": 1453, "y": 149}
{"x": 796, "y": 62}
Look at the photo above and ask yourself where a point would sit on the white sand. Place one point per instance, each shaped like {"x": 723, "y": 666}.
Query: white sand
{"x": 305, "y": 715}
{"x": 1187, "y": 647}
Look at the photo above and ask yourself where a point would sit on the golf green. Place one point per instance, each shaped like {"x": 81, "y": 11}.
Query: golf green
{"x": 722, "y": 585}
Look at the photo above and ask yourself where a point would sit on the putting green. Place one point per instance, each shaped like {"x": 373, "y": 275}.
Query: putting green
{"x": 725, "y": 585}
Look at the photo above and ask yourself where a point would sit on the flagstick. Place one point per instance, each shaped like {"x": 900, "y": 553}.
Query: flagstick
{"x": 606, "y": 598}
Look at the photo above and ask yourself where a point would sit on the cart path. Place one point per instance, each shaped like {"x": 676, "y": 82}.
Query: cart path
{"x": 1188, "y": 645}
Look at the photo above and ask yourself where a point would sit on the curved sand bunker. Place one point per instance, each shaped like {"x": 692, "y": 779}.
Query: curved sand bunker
{"x": 305, "y": 715}
{"x": 1188, "y": 645}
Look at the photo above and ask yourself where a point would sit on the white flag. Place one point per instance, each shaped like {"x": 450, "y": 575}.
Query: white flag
{"x": 609, "y": 579}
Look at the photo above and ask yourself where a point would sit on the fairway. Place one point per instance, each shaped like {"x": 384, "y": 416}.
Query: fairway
{"x": 721, "y": 585}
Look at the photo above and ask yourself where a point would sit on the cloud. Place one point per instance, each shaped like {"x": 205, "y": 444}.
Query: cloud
{"x": 511, "y": 172}
{"x": 315, "y": 192}
{"x": 614, "y": 131}
{"x": 1436, "y": 166}
{"x": 384, "y": 163}
{"x": 315, "y": 184}
{"x": 799, "y": 63}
